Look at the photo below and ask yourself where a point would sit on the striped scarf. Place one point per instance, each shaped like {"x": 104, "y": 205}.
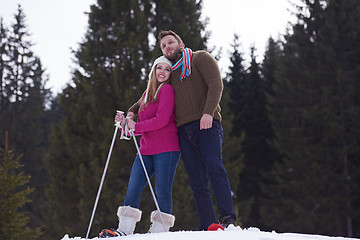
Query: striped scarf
{"x": 185, "y": 63}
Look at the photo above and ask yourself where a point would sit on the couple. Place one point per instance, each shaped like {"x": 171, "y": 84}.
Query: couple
{"x": 192, "y": 80}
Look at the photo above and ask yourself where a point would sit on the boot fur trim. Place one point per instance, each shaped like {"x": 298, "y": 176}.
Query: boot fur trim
{"x": 127, "y": 211}
{"x": 168, "y": 218}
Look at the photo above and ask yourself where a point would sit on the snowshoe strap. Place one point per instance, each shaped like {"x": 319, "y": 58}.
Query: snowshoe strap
{"x": 107, "y": 233}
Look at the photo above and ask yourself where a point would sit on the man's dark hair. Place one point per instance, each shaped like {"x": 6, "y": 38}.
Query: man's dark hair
{"x": 162, "y": 34}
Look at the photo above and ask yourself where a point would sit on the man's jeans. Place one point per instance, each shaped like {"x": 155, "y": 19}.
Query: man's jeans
{"x": 201, "y": 151}
{"x": 163, "y": 166}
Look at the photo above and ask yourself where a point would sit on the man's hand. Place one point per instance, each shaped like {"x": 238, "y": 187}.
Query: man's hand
{"x": 206, "y": 121}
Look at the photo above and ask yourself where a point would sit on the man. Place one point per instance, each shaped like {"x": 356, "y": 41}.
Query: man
{"x": 198, "y": 87}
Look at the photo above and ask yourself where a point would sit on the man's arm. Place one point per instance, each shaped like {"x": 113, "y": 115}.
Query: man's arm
{"x": 209, "y": 68}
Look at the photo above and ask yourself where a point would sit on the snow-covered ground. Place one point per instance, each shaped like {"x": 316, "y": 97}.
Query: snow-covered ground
{"x": 231, "y": 233}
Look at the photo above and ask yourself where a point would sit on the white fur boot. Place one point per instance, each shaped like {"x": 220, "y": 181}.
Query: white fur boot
{"x": 128, "y": 217}
{"x": 156, "y": 223}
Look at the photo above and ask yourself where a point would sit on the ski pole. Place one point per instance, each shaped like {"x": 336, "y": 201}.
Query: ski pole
{"x": 117, "y": 125}
{"x": 147, "y": 177}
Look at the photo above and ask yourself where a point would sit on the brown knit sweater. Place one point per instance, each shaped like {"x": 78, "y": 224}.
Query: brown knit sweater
{"x": 197, "y": 94}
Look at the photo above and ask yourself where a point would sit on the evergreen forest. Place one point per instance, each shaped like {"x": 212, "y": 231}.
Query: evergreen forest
{"x": 291, "y": 122}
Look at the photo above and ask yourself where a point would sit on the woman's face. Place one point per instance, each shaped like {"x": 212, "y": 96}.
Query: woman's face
{"x": 162, "y": 72}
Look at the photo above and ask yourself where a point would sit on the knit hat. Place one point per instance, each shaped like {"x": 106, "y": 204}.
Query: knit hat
{"x": 161, "y": 59}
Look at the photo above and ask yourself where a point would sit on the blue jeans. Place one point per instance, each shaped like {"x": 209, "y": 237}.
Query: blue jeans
{"x": 163, "y": 166}
{"x": 201, "y": 151}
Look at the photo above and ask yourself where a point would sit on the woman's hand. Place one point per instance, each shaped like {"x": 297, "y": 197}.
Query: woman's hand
{"x": 131, "y": 123}
{"x": 119, "y": 117}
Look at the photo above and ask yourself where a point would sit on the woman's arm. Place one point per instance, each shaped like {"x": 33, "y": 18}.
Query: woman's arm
{"x": 166, "y": 106}
{"x": 133, "y": 109}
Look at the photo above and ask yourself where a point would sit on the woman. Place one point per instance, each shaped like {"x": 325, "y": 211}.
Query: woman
{"x": 160, "y": 150}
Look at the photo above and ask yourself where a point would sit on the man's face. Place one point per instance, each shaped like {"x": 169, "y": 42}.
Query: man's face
{"x": 170, "y": 47}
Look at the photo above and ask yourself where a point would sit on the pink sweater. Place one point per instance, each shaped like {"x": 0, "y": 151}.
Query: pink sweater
{"x": 156, "y": 124}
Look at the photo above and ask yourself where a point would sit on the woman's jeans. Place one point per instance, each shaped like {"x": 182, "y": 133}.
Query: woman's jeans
{"x": 201, "y": 151}
{"x": 163, "y": 166}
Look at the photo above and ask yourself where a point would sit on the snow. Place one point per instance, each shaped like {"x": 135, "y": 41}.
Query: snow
{"x": 231, "y": 233}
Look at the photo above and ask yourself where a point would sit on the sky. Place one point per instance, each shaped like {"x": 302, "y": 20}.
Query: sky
{"x": 231, "y": 233}
{"x": 59, "y": 26}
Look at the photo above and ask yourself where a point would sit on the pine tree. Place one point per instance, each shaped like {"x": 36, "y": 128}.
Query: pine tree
{"x": 314, "y": 116}
{"x": 14, "y": 194}
{"x": 235, "y": 86}
{"x": 23, "y": 100}
{"x": 270, "y": 64}
{"x": 257, "y": 153}
{"x": 231, "y": 103}
{"x": 231, "y": 150}
{"x": 268, "y": 68}
{"x": 339, "y": 65}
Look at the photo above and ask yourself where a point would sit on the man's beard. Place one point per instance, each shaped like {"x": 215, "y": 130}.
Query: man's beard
{"x": 174, "y": 55}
